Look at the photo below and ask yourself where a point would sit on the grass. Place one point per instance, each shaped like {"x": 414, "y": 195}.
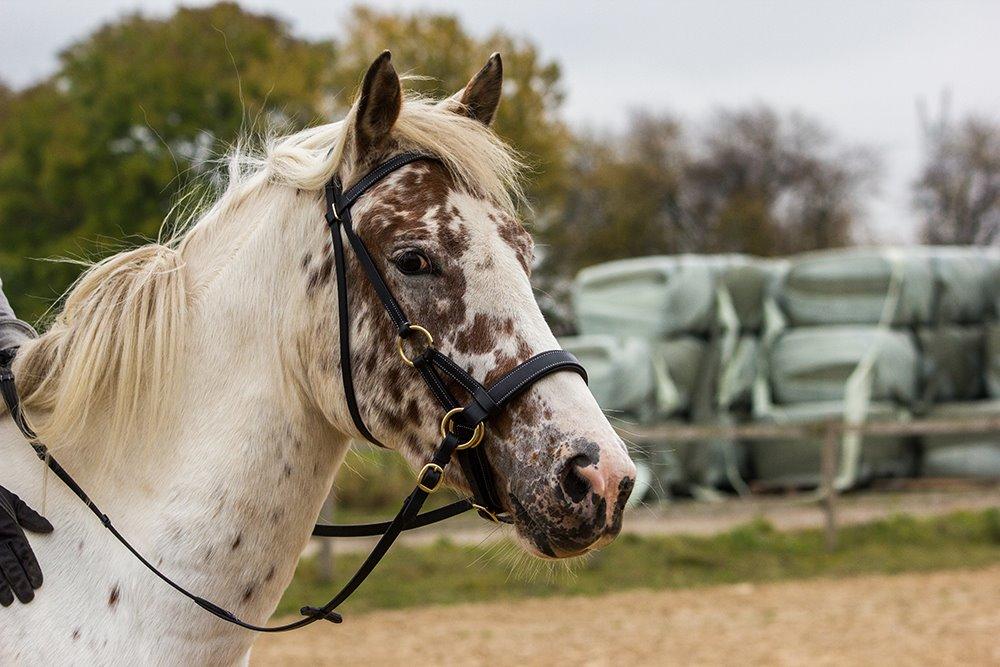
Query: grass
{"x": 446, "y": 573}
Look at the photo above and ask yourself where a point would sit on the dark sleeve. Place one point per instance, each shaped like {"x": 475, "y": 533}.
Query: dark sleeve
{"x": 13, "y": 331}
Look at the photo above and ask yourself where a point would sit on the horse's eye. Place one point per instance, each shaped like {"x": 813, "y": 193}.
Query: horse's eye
{"x": 412, "y": 262}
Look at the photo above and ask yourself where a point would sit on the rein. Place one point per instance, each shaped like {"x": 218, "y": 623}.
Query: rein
{"x": 463, "y": 426}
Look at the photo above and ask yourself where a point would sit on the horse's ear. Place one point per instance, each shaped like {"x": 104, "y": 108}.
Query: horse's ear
{"x": 378, "y": 104}
{"x": 481, "y": 96}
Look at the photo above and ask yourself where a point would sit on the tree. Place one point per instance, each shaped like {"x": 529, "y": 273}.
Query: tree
{"x": 136, "y": 110}
{"x": 624, "y": 198}
{"x": 766, "y": 184}
{"x": 957, "y": 194}
{"x": 754, "y": 182}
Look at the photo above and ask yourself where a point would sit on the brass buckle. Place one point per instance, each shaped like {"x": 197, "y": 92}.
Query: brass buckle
{"x": 399, "y": 343}
{"x": 447, "y": 427}
{"x": 425, "y": 470}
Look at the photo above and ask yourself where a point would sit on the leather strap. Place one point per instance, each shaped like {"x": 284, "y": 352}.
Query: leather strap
{"x": 373, "y": 529}
{"x": 407, "y": 517}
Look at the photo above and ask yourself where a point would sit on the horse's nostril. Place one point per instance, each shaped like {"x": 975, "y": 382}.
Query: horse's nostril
{"x": 574, "y": 484}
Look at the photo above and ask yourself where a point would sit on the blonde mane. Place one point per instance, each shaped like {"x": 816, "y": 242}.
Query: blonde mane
{"x": 112, "y": 348}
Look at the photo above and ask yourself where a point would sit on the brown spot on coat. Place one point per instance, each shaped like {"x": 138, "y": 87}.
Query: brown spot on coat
{"x": 113, "y": 598}
{"x": 236, "y": 543}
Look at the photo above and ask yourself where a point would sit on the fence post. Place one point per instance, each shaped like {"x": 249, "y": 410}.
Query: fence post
{"x": 828, "y": 472}
{"x": 324, "y": 558}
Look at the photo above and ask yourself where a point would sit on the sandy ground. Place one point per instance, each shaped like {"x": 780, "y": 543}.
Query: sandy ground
{"x": 943, "y": 618}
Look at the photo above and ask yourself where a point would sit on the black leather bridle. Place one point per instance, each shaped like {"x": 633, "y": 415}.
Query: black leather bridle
{"x": 462, "y": 429}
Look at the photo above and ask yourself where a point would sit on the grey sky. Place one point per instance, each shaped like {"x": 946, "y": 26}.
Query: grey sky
{"x": 857, "y": 66}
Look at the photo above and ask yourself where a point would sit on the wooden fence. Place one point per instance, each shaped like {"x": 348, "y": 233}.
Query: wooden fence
{"x": 831, "y": 432}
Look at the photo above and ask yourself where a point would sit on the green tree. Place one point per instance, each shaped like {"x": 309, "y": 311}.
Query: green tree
{"x": 99, "y": 150}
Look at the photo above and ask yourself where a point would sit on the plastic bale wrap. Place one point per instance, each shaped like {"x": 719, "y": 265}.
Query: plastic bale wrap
{"x": 992, "y": 365}
{"x": 620, "y": 374}
{"x": 965, "y": 455}
{"x": 951, "y": 360}
{"x": 851, "y": 287}
{"x": 677, "y": 364}
{"x": 650, "y": 296}
{"x": 747, "y": 282}
{"x": 814, "y": 364}
{"x": 736, "y": 375}
{"x": 783, "y": 463}
{"x": 962, "y": 276}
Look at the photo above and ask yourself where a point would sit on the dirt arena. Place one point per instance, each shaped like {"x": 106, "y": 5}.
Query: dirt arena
{"x": 937, "y": 618}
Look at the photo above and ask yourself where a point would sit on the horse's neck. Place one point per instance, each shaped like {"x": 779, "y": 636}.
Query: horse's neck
{"x": 220, "y": 493}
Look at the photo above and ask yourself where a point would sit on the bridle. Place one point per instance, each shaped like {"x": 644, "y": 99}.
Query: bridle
{"x": 462, "y": 429}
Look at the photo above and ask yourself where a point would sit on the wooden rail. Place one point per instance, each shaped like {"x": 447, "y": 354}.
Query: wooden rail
{"x": 830, "y": 431}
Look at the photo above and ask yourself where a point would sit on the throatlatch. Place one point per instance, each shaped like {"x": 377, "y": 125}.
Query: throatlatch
{"x": 462, "y": 426}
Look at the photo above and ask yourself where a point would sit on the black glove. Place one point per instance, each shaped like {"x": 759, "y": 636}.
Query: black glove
{"x": 19, "y": 571}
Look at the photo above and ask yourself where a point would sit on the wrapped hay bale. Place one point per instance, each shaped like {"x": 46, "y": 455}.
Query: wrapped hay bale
{"x": 620, "y": 373}
{"x": 648, "y": 296}
{"x": 852, "y": 287}
{"x": 796, "y": 463}
{"x": 965, "y": 455}
{"x": 669, "y": 296}
{"x": 814, "y": 364}
{"x": 951, "y": 363}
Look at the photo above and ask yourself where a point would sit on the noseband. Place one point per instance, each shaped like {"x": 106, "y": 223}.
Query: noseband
{"x": 462, "y": 426}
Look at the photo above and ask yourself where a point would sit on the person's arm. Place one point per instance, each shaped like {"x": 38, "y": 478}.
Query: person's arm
{"x": 13, "y": 331}
{"x": 20, "y": 574}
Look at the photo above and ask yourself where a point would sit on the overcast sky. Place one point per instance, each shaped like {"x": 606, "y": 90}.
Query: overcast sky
{"x": 858, "y": 66}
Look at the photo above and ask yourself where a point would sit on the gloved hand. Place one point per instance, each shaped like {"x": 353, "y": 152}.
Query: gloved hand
{"x": 19, "y": 571}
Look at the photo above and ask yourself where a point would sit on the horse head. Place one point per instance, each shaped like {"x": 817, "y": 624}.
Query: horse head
{"x": 445, "y": 237}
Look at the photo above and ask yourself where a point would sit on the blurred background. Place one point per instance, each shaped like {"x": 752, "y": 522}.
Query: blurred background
{"x": 771, "y": 230}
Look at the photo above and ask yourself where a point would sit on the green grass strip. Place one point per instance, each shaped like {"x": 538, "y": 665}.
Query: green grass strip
{"x": 446, "y": 573}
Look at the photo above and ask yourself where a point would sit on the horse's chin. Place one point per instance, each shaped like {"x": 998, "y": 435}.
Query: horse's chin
{"x": 535, "y": 541}
{"x": 544, "y": 551}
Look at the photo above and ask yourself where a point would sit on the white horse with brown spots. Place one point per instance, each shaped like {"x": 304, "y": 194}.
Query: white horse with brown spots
{"x": 194, "y": 387}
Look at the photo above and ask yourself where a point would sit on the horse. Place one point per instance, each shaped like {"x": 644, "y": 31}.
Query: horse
{"x": 192, "y": 385}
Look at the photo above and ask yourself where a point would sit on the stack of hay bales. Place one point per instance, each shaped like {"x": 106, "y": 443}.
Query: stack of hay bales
{"x": 848, "y": 335}
{"x": 840, "y": 346}
{"x": 699, "y": 316}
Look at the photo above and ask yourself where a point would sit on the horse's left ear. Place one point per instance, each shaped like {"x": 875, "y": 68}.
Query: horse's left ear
{"x": 481, "y": 96}
{"x": 378, "y": 103}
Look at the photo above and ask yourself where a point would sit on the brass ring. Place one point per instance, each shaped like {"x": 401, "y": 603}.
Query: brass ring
{"x": 420, "y": 477}
{"x": 399, "y": 343}
{"x": 446, "y": 428}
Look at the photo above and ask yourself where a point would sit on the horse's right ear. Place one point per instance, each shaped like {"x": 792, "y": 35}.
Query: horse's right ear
{"x": 378, "y": 104}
